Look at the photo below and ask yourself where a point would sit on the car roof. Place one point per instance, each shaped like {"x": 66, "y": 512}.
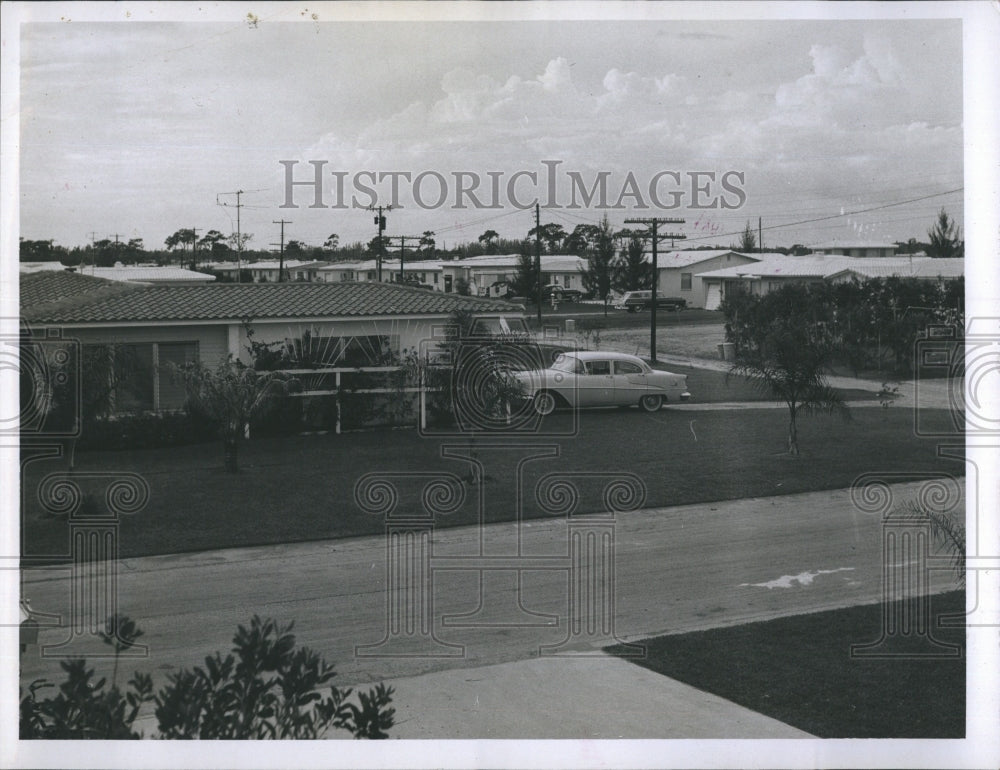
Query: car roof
{"x": 602, "y": 355}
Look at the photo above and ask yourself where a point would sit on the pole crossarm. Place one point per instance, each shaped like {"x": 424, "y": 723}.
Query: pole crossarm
{"x": 402, "y": 246}
{"x": 653, "y": 224}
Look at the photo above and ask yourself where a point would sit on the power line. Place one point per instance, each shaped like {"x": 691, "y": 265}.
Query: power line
{"x": 839, "y": 216}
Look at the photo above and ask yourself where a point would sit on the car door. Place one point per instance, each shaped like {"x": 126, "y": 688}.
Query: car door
{"x": 630, "y": 382}
{"x": 597, "y": 386}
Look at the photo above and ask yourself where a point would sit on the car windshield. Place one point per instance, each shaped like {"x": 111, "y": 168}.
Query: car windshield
{"x": 568, "y": 364}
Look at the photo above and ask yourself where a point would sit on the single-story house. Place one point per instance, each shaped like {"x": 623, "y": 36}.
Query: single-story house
{"x": 295, "y": 270}
{"x": 487, "y": 271}
{"x": 338, "y": 272}
{"x": 916, "y": 267}
{"x": 855, "y": 248}
{"x": 483, "y": 273}
{"x": 777, "y": 269}
{"x": 679, "y": 271}
{"x": 342, "y": 324}
{"x": 130, "y": 273}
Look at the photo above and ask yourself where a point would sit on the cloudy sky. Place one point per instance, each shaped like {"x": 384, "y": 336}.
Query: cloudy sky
{"x": 136, "y": 128}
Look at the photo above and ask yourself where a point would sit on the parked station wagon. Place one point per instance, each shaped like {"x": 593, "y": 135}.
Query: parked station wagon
{"x": 643, "y": 300}
{"x": 595, "y": 378}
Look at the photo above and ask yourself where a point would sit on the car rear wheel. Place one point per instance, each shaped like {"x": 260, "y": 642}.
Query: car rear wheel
{"x": 545, "y": 403}
{"x": 650, "y": 402}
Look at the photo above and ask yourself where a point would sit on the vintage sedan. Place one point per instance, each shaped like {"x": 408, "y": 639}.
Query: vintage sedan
{"x": 597, "y": 378}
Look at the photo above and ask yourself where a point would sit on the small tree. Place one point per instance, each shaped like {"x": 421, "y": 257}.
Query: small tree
{"x": 525, "y": 283}
{"x": 427, "y": 244}
{"x": 233, "y": 393}
{"x": 945, "y": 241}
{"x": 462, "y": 286}
{"x": 632, "y": 272}
{"x": 600, "y": 262}
{"x": 785, "y": 352}
{"x": 489, "y": 241}
{"x": 748, "y": 240}
{"x": 551, "y": 234}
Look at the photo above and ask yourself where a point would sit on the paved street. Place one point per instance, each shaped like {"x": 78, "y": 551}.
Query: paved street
{"x": 678, "y": 569}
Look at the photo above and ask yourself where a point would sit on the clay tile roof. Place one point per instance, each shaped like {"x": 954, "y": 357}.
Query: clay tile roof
{"x": 57, "y": 287}
{"x": 223, "y": 302}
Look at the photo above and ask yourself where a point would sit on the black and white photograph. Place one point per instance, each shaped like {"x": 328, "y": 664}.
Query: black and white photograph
{"x": 500, "y": 384}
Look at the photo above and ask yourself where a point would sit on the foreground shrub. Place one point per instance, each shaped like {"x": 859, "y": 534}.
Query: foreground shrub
{"x": 268, "y": 689}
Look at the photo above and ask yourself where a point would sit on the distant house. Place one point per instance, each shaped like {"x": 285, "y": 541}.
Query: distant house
{"x": 903, "y": 267}
{"x": 486, "y": 271}
{"x": 339, "y": 272}
{"x": 295, "y": 270}
{"x": 855, "y": 249}
{"x": 129, "y": 273}
{"x": 483, "y": 274}
{"x": 342, "y": 324}
{"x": 679, "y": 271}
{"x": 777, "y": 269}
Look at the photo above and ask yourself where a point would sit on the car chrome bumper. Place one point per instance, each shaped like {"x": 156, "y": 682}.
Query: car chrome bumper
{"x": 685, "y": 396}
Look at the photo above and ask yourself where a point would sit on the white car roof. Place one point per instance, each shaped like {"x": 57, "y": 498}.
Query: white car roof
{"x": 602, "y": 355}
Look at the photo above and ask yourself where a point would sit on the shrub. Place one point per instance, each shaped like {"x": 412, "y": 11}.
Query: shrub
{"x": 268, "y": 689}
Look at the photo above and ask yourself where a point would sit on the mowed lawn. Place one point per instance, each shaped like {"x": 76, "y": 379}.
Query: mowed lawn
{"x": 302, "y": 487}
{"x": 800, "y": 670}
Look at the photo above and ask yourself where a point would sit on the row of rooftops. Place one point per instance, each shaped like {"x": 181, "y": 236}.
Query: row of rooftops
{"x": 564, "y": 263}
{"x": 60, "y": 297}
{"x": 814, "y": 266}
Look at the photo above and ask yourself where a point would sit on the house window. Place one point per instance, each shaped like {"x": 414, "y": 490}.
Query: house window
{"x": 685, "y": 281}
{"x": 138, "y": 377}
{"x": 773, "y": 285}
{"x": 435, "y": 277}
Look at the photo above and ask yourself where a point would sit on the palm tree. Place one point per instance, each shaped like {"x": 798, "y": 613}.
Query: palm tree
{"x": 233, "y": 393}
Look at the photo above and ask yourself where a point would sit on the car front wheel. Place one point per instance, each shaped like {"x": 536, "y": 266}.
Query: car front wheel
{"x": 545, "y": 403}
{"x": 650, "y": 403}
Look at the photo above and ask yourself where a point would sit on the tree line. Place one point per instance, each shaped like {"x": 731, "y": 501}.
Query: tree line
{"x": 185, "y": 246}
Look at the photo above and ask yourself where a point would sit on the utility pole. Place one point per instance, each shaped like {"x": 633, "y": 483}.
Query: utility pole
{"x": 239, "y": 232}
{"x": 281, "y": 248}
{"x": 93, "y": 251}
{"x": 402, "y": 244}
{"x": 760, "y": 236}
{"x": 380, "y": 222}
{"x": 194, "y": 247}
{"x": 653, "y": 224}
{"x": 115, "y": 236}
{"x": 538, "y": 259}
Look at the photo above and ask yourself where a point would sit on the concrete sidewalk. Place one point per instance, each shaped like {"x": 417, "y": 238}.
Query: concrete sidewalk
{"x": 595, "y": 697}
{"x": 582, "y": 697}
